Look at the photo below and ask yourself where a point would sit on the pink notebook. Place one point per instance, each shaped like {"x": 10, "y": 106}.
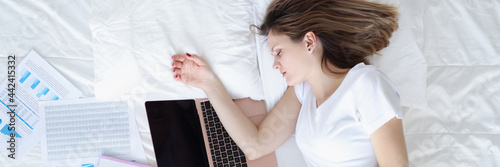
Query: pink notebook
{"x": 115, "y": 162}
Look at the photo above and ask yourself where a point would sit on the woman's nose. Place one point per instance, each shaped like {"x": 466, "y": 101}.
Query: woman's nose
{"x": 276, "y": 65}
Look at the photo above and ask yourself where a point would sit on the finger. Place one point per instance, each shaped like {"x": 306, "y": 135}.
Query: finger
{"x": 179, "y": 57}
{"x": 177, "y": 77}
{"x": 176, "y": 64}
{"x": 176, "y": 71}
{"x": 195, "y": 58}
{"x": 180, "y": 78}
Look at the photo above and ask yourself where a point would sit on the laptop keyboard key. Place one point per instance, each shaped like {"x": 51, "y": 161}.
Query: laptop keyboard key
{"x": 207, "y": 104}
{"x": 215, "y": 141}
{"x": 217, "y": 153}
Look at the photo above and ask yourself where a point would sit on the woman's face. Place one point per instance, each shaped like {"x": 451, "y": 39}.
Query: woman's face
{"x": 291, "y": 58}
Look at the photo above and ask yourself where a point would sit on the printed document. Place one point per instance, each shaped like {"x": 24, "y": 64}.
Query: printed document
{"x": 36, "y": 80}
{"x": 79, "y": 131}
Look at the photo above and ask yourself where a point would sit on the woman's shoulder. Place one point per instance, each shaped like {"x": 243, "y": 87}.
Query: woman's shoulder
{"x": 302, "y": 90}
{"x": 365, "y": 72}
{"x": 367, "y": 76}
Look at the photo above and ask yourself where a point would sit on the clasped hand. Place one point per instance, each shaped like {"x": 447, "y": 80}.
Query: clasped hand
{"x": 192, "y": 70}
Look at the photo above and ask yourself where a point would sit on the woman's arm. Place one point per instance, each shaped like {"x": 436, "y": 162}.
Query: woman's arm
{"x": 389, "y": 144}
{"x": 254, "y": 141}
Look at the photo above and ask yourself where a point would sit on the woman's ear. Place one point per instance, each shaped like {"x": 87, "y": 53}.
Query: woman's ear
{"x": 310, "y": 41}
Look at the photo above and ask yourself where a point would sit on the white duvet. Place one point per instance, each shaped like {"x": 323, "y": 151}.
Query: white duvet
{"x": 444, "y": 59}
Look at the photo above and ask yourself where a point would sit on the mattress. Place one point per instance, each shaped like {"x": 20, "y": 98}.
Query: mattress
{"x": 444, "y": 59}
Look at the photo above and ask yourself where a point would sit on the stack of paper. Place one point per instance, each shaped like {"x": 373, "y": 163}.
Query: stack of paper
{"x": 74, "y": 132}
{"x": 36, "y": 80}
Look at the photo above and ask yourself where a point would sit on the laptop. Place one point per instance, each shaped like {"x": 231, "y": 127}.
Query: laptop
{"x": 189, "y": 133}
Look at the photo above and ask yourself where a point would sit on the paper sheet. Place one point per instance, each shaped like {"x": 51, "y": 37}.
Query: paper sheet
{"x": 36, "y": 80}
{"x": 79, "y": 131}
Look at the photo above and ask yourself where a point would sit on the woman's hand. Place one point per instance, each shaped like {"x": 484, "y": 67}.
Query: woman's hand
{"x": 192, "y": 70}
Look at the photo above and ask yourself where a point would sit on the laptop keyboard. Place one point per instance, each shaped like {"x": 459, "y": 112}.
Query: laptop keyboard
{"x": 224, "y": 151}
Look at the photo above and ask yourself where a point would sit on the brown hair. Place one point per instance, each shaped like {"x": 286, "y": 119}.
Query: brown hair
{"x": 349, "y": 30}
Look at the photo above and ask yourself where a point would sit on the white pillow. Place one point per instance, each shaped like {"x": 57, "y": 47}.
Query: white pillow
{"x": 402, "y": 61}
{"x": 133, "y": 42}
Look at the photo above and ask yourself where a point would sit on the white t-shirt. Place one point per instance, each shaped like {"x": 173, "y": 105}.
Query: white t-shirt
{"x": 337, "y": 133}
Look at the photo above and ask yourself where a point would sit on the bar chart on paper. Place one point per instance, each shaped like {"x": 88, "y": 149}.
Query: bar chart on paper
{"x": 32, "y": 83}
{"x": 5, "y": 130}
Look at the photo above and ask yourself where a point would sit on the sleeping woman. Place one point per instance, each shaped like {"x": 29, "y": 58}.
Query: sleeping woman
{"x": 343, "y": 111}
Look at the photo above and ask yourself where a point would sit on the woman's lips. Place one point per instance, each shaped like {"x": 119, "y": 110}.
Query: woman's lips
{"x": 283, "y": 74}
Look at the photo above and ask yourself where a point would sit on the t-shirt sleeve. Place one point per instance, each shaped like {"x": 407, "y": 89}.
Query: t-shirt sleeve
{"x": 299, "y": 91}
{"x": 379, "y": 101}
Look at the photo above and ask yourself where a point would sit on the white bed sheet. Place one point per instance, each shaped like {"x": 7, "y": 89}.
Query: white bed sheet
{"x": 457, "y": 124}
{"x": 460, "y": 41}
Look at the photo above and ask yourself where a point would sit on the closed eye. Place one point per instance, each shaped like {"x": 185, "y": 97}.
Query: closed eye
{"x": 278, "y": 54}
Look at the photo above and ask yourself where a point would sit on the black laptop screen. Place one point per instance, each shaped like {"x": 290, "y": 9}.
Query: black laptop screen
{"x": 176, "y": 133}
